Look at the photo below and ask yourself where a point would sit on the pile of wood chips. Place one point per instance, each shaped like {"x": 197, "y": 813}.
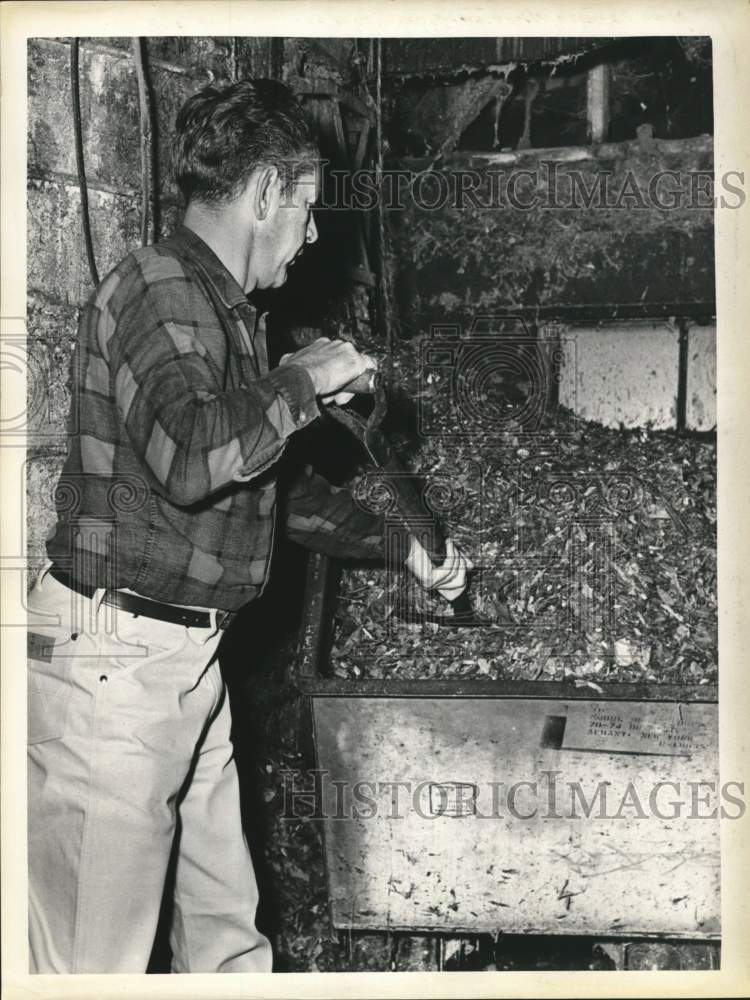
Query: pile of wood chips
{"x": 595, "y": 554}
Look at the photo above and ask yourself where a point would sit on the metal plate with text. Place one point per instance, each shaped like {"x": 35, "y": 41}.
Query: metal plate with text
{"x": 521, "y": 815}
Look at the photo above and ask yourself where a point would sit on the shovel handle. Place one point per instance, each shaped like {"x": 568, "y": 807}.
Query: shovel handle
{"x": 362, "y": 385}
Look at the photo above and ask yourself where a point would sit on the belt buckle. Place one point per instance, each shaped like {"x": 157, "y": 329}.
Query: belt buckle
{"x": 224, "y": 619}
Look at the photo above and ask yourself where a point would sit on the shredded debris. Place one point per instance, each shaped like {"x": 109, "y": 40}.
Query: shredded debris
{"x": 595, "y": 556}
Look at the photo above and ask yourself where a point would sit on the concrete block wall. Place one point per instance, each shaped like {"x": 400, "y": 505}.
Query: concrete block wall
{"x": 701, "y": 378}
{"x": 626, "y": 375}
{"x": 622, "y": 374}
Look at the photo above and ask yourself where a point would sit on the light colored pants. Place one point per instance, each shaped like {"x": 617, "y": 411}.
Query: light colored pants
{"x": 130, "y": 759}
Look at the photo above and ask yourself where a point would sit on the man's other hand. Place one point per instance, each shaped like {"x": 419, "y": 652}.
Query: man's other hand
{"x": 331, "y": 365}
{"x": 449, "y": 579}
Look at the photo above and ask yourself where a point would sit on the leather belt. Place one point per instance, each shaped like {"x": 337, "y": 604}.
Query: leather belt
{"x": 137, "y": 605}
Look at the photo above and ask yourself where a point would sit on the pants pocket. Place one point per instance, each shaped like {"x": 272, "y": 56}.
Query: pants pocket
{"x": 141, "y": 642}
{"x": 49, "y": 687}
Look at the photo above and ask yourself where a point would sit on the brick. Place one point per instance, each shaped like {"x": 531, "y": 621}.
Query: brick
{"x": 42, "y": 473}
{"x": 36, "y": 387}
{"x": 15, "y": 368}
{"x": 55, "y": 323}
{"x": 172, "y": 90}
{"x": 51, "y": 332}
{"x": 48, "y": 396}
{"x": 57, "y": 265}
{"x": 622, "y": 374}
{"x": 205, "y": 58}
{"x": 50, "y": 122}
{"x": 700, "y": 413}
{"x": 109, "y": 114}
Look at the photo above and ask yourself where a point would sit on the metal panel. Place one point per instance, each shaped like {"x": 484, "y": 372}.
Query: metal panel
{"x": 310, "y": 667}
{"x": 449, "y": 56}
{"x": 447, "y": 853}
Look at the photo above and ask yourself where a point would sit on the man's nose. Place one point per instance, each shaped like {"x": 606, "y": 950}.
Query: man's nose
{"x": 312, "y": 230}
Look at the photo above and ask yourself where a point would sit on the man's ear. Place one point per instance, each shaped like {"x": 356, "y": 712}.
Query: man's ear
{"x": 265, "y": 192}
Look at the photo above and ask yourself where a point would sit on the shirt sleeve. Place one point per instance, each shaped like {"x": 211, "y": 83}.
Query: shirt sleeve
{"x": 167, "y": 357}
{"x": 328, "y": 519}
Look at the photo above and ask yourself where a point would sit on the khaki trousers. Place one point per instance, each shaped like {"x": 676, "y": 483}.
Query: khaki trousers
{"x": 130, "y": 759}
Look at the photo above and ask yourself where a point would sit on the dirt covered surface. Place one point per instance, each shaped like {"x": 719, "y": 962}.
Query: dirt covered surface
{"x": 594, "y": 553}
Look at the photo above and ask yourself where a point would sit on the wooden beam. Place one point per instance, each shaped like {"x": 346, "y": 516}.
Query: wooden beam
{"x": 597, "y": 103}
{"x": 560, "y": 154}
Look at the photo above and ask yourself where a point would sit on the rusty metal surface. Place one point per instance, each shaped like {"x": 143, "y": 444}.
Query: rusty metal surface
{"x": 315, "y": 630}
{"x": 449, "y": 56}
{"x": 338, "y": 687}
{"x": 445, "y": 858}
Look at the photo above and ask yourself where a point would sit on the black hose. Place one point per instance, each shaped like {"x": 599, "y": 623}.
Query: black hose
{"x": 76, "y": 98}
{"x": 146, "y": 139}
{"x": 384, "y": 303}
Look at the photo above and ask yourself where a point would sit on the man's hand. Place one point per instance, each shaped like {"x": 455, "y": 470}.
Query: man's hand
{"x": 449, "y": 579}
{"x": 331, "y": 364}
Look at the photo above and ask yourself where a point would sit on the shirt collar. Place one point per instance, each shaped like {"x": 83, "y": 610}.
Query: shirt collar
{"x": 199, "y": 251}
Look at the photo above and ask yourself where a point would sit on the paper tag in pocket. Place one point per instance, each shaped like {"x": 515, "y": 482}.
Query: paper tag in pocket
{"x": 39, "y": 647}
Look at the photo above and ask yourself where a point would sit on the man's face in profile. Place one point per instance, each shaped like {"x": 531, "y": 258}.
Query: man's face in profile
{"x": 291, "y": 227}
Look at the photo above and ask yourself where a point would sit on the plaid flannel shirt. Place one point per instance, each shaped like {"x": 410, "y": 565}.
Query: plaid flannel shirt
{"x": 176, "y": 426}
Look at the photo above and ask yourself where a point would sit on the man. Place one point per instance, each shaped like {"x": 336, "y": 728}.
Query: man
{"x": 166, "y": 512}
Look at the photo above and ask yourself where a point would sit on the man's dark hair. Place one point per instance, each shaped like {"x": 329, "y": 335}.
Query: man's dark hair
{"x": 223, "y": 134}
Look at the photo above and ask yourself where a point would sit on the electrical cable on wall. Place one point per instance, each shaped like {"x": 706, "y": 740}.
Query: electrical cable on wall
{"x": 146, "y": 141}
{"x": 76, "y": 99}
{"x": 147, "y": 149}
{"x": 383, "y": 285}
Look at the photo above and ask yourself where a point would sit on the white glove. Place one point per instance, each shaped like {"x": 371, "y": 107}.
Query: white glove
{"x": 449, "y": 579}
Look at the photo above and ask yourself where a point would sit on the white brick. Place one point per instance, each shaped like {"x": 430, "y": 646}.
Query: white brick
{"x": 701, "y": 379}
{"x": 622, "y": 374}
